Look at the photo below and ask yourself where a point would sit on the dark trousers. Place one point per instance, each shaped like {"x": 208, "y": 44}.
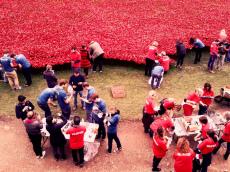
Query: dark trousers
{"x": 101, "y": 131}
{"x": 202, "y": 109}
{"x": 147, "y": 120}
{"x": 156, "y": 162}
{"x": 218, "y": 147}
{"x": 66, "y": 113}
{"x": 180, "y": 59}
{"x": 86, "y": 71}
{"x": 112, "y": 136}
{"x": 98, "y": 61}
{"x": 158, "y": 81}
{"x": 198, "y": 55}
{"x": 36, "y": 142}
{"x": 149, "y": 63}
{"x": 207, "y": 160}
{"x": 27, "y": 74}
{"x": 59, "y": 151}
{"x": 78, "y": 155}
{"x": 211, "y": 62}
{"x": 46, "y": 109}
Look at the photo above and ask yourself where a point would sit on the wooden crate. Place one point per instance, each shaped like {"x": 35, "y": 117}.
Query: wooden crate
{"x": 118, "y": 91}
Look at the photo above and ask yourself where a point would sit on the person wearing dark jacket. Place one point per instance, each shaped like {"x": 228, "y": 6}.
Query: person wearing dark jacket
{"x": 33, "y": 128}
{"x": 112, "y": 129}
{"x": 23, "y": 107}
{"x": 50, "y": 77}
{"x": 57, "y": 139}
{"x": 180, "y": 52}
{"x": 98, "y": 118}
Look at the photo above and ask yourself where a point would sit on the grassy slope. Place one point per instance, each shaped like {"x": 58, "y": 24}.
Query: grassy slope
{"x": 176, "y": 84}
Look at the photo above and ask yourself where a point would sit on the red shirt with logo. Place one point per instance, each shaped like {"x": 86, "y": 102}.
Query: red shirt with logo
{"x": 207, "y": 101}
{"x": 163, "y": 121}
{"x": 226, "y": 135}
{"x": 149, "y": 106}
{"x": 204, "y": 129}
{"x": 207, "y": 146}
{"x": 183, "y": 161}
{"x": 76, "y": 140}
{"x": 75, "y": 58}
{"x": 159, "y": 147}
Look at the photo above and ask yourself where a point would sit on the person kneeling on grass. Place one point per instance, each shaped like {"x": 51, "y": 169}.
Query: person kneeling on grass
{"x": 76, "y": 141}
{"x": 112, "y": 129}
{"x": 157, "y": 75}
{"x": 33, "y": 128}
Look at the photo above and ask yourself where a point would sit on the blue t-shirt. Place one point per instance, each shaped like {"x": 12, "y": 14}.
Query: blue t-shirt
{"x": 89, "y": 106}
{"x": 157, "y": 70}
{"x": 62, "y": 96}
{"x": 112, "y": 128}
{"x": 45, "y": 95}
{"x": 6, "y": 61}
{"x": 101, "y": 106}
{"x": 198, "y": 43}
{"x": 21, "y": 59}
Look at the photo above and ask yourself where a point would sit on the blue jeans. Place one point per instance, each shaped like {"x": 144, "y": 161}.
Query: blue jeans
{"x": 75, "y": 98}
{"x": 211, "y": 61}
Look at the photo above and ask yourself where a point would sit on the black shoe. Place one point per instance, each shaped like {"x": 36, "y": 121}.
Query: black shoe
{"x": 77, "y": 163}
{"x": 81, "y": 165}
{"x": 225, "y": 157}
{"x": 156, "y": 169}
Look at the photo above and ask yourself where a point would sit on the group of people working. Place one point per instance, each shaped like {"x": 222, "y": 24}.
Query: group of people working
{"x": 158, "y": 123}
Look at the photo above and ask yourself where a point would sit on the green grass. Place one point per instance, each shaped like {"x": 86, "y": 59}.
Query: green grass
{"x": 176, "y": 84}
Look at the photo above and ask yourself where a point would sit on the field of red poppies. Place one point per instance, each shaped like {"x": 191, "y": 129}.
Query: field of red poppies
{"x": 45, "y": 30}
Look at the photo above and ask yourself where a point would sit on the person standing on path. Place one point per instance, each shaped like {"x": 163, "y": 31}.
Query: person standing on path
{"x": 97, "y": 54}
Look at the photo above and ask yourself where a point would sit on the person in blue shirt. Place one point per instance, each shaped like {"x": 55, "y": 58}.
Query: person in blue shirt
{"x": 157, "y": 74}
{"x": 25, "y": 65}
{"x": 198, "y": 45}
{"x": 112, "y": 129}
{"x": 63, "y": 100}
{"x": 46, "y": 96}
{"x": 10, "y": 73}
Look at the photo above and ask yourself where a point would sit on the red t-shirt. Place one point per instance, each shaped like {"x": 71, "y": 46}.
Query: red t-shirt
{"x": 207, "y": 146}
{"x": 168, "y": 104}
{"x": 76, "y": 140}
{"x": 213, "y": 49}
{"x": 204, "y": 129}
{"x": 226, "y": 135}
{"x": 207, "y": 101}
{"x": 188, "y": 109}
{"x": 165, "y": 62}
{"x": 152, "y": 53}
{"x": 159, "y": 147}
{"x": 163, "y": 121}
{"x": 149, "y": 106}
{"x": 193, "y": 97}
{"x": 75, "y": 58}
{"x": 183, "y": 161}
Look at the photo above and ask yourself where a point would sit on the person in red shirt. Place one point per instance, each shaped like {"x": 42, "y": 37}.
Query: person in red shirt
{"x": 160, "y": 147}
{"x": 225, "y": 137}
{"x": 191, "y": 101}
{"x": 183, "y": 156}
{"x": 167, "y": 104}
{"x": 76, "y": 141}
{"x": 148, "y": 111}
{"x": 206, "y": 148}
{"x": 164, "y": 61}
{"x": 151, "y": 57}
{"x": 85, "y": 60}
{"x": 213, "y": 55}
{"x": 205, "y": 127}
{"x": 75, "y": 58}
{"x": 206, "y": 99}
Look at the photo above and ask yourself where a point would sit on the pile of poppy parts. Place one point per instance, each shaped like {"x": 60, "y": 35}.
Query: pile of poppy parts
{"x": 45, "y": 30}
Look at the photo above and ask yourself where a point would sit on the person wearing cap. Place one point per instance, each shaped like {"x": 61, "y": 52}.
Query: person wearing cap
{"x": 149, "y": 110}
{"x": 157, "y": 75}
{"x": 75, "y": 58}
{"x": 167, "y": 106}
{"x": 46, "y": 97}
{"x": 23, "y": 107}
{"x": 77, "y": 81}
{"x": 33, "y": 127}
{"x": 8, "y": 66}
{"x": 57, "y": 139}
{"x": 85, "y": 60}
{"x": 213, "y": 55}
{"x": 198, "y": 45}
{"x": 76, "y": 141}
{"x": 225, "y": 137}
{"x": 112, "y": 129}
{"x": 25, "y": 65}
{"x": 50, "y": 77}
{"x": 180, "y": 52}
{"x": 151, "y": 57}
{"x": 63, "y": 100}
{"x": 97, "y": 54}
{"x": 98, "y": 118}
{"x": 164, "y": 61}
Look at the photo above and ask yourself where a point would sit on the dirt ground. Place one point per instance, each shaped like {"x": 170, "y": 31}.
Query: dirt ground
{"x": 17, "y": 154}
